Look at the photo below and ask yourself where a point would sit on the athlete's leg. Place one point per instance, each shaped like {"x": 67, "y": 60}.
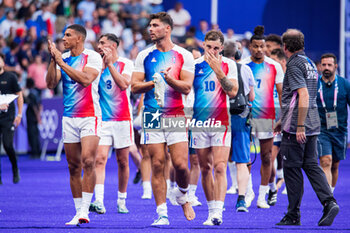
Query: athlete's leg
{"x": 146, "y": 173}
{"x": 326, "y": 164}
{"x": 179, "y": 158}
{"x": 265, "y": 171}
{"x": 123, "y": 177}
{"x": 335, "y": 173}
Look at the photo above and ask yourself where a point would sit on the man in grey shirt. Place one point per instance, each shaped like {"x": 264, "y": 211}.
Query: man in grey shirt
{"x": 300, "y": 126}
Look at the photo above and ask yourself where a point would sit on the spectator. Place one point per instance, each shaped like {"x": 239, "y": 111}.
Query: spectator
{"x": 181, "y": 19}
{"x": 155, "y": 6}
{"x": 230, "y": 35}
{"x": 86, "y": 7}
{"x": 11, "y": 60}
{"x": 102, "y": 9}
{"x": 37, "y": 72}
{"x": 7, "y": 24}
{"x": 32, "y": 99}
{"x": 133, "y": 12}
{"x": 200, "y": 34}
{"x": 112, "y": 24}
{"x": 90, "y": 40}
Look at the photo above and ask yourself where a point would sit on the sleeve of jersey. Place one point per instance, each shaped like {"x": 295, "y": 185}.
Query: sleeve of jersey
{"x": 94, "y": 61}
{"x": 279, "y": 73}
{"x": 188, "y": 62}
{"x": 129, "y": 67}
{"x": 232, "y": 71}
{"x": 139, "y": 63}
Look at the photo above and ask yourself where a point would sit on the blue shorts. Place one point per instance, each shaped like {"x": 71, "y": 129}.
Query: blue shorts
{"x": 240, "y": 140}
{"x": 332, "y": 143}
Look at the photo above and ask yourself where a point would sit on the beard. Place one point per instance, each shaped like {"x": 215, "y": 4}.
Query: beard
{"x": 327, "y": 74}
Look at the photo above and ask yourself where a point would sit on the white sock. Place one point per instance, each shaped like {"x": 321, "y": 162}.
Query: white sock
{"x": 146, "y": 185}
{"x": 332, "y": 189}
{"x": 272, "y": 186}
{"x": 192, "y": 191}
{"x": 262, "y": 191}
{"x": 233, "y": 173}
{"x": 121, "y": 197}
{"x": 77, "y": 203}
{"x": 173, "y": 184}
{"x": 219, "y": 206}
{"x": 168, "y": 185}
{"x": 250, "y": 184}
{"x": 86, "y": 200}
{"x": 279, "y": 174}
{"x": 162, "y": 210}
{"x": 99, "y": 192}
{"x": 211, "y": 207}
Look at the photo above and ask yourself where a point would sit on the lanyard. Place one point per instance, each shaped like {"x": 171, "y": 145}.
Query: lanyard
{"x": 335, "y": 94}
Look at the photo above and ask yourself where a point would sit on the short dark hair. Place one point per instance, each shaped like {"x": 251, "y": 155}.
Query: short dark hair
{"x": 111, "y": 37}
{"x": 2, "y": 56}
{"x": 213, "y": 35}
{"x": 279, "y": 53}
{"x": 78, "y": 28}
{"x": 327, "y": 55}
{"x": 230, "y": 49}
{"x": 163, "y": 17}
{"x": 293, "y": 39}
{"x": 258, "y": 33}
{"x": 274, "y": 38}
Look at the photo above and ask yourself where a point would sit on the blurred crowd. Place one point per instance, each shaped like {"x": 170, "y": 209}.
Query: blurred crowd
{"x": 25, "y": 27}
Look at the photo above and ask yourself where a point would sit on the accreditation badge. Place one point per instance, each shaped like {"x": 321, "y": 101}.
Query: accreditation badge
{"x": 332, "y": 120}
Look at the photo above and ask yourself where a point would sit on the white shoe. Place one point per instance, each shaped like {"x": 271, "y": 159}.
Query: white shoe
{"x": 74, "y": 221}
{"x": 83, "y": 217}
{"x": 208, "y": 222}
{"x": 163, "y": 220}
{"x": 217, "y": 219}
{"x": 262, "y": 204}
{"x": 193, "y": 200}
{"x": 232, "y": 190}
{"x": 122, "y": 208}
{"x": 147, "y": 194}
{"x": 249, "y": 197}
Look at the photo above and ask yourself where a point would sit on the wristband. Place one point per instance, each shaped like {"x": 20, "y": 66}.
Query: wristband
{"x": 19, "y": 115}
{"x": 300, "y": 125}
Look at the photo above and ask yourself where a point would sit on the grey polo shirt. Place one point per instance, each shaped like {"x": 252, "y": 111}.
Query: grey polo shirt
{"x": 301, "y": 72}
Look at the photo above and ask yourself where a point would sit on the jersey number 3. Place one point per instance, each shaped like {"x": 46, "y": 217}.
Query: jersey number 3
{"x": 109, "y": 84}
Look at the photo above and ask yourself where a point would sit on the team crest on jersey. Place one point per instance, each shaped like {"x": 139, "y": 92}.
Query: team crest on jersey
{"x": 153, "y": 59}
{"x": 200, "y": 71}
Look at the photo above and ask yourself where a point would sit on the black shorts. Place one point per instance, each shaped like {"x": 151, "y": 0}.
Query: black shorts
{"x": 295, "y": 154}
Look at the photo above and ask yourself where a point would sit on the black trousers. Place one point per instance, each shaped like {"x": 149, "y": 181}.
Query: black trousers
{"x": 7, "y": 131}
{"x": 298, "y": 156}
{"x": 33, "y": 138}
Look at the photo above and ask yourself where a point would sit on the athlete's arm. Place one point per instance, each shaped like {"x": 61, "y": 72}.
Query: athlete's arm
{"x": 122, "y": 80}
{"x": 251, "y": 95}
{"x": 183, "y": 85}
{"x": 85, "y": 77}
{"x": 53, "y": 75}
{"x": 230, "y": 86}
{"x": 303, "y": 107}
{"x": 138, "y": 85}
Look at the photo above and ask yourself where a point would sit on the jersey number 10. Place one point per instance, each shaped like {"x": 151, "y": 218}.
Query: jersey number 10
{"x": 209, "y": 85}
